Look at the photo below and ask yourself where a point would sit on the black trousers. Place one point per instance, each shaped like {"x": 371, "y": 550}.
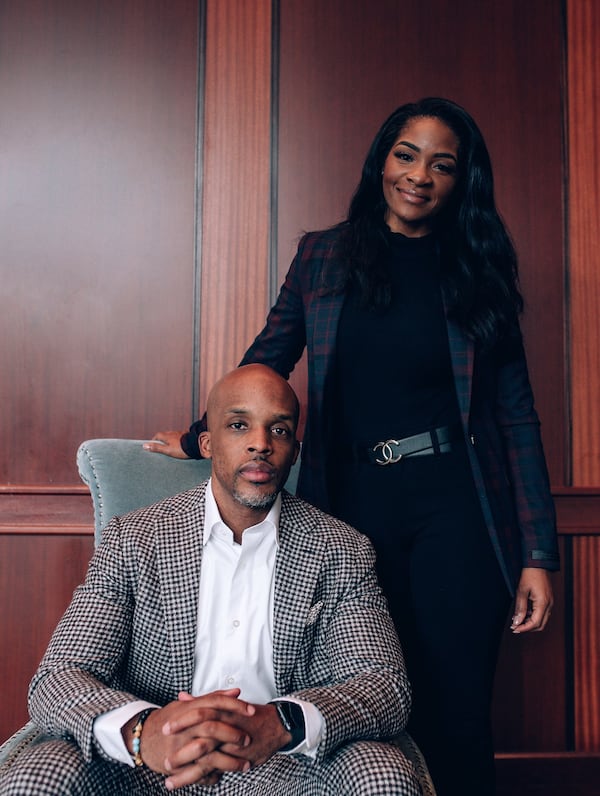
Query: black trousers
{"x": 448, "y": 599}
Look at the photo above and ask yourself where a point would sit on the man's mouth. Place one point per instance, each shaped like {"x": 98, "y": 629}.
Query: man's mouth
{"x": 257, "y": 472}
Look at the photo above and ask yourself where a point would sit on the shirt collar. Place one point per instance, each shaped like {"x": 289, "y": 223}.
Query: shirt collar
{"x": 212, "y": 516}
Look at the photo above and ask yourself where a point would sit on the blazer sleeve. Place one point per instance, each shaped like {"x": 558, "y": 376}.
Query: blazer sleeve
{"x": 351, "y": 663}
{"x": 85, "y": 652}
{"x": 280, "y": 343}
{"x": 282, "y": 340}
{"x": 527, "y": 470}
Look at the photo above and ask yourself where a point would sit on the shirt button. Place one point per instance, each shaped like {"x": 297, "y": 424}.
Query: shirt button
{"x": 230, "y": 680}
{"x": 236, "y": 622}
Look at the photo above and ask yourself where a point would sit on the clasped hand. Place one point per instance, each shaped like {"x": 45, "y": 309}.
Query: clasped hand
{"x": 198, "y": 739}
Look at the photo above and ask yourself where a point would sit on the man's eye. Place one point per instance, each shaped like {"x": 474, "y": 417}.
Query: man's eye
{"x": 238, "y": 426}
{"x": 280, "y": 431}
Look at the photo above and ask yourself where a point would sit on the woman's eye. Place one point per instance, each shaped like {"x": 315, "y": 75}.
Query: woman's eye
{"x": 406, "y": 156}
{"x": 446, "y": 168}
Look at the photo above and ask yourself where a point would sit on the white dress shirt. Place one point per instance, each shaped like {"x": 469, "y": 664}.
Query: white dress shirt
{"x": 234, "y": 638}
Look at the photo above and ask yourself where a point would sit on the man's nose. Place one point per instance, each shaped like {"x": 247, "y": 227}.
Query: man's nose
{"x": 260, "y": 442}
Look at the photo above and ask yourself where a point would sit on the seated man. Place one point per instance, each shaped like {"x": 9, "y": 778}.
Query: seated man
{"x": 231, "y": 639}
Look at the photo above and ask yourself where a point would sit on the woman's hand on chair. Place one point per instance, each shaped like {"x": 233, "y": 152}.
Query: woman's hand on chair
{"x": 168, "y": 443}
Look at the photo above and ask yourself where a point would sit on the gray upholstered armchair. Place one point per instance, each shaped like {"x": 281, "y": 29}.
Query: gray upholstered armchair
{"x": 122, "y": 476}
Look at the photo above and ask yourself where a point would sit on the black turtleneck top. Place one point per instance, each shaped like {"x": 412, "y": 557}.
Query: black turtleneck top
{"x": 393, "y": 370}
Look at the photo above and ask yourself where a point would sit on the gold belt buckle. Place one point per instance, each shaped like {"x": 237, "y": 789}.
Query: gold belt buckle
{"x": 389, "y": 457}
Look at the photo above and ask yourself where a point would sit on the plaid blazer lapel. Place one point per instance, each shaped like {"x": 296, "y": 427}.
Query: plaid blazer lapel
{"x": 322, "y": 320}
{"x": 462, "y": 353}
{"x": 297, "y": 569}
{"x": 179, "y": 558}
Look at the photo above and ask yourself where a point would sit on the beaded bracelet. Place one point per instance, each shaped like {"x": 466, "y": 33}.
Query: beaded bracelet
{"x": 137, "y": 736}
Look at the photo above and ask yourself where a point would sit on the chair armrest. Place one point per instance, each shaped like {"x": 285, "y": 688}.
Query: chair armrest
{"x": 414, "y": 754}
{"x": 21, "y": 740}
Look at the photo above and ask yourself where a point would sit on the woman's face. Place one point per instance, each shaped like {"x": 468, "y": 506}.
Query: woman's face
{"x": 419, "y": 175}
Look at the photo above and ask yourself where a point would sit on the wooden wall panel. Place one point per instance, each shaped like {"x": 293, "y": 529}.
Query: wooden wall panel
{"x": 99, "y": 104}
{"x": 236, "y": 183}
{"x": 37, "y": 576}
{"x": 345, "y": 66}
{"x": 583, "y": 123}
{"x": 583, "y": 46}
{"x": 586, "y": 634}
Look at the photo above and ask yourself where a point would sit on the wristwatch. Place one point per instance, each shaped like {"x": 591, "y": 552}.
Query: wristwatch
{"x": 291, "y": 716}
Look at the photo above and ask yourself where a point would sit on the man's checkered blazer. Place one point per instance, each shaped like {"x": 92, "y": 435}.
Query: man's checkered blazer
{"x": 130, "y": 630}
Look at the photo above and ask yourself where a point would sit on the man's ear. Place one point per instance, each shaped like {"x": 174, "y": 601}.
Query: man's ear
{"x": 204, "y": 444}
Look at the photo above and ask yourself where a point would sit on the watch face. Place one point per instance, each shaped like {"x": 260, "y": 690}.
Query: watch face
{"x": 284, "y": 715}
{"x": 292, "y": 718}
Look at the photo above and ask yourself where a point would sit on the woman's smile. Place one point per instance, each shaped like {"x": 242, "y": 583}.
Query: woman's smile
{"x": 419, "y": 175}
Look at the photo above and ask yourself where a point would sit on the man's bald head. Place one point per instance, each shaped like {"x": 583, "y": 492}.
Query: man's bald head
{"x": 247, "y": 378}
{"x": 252, "y": 416}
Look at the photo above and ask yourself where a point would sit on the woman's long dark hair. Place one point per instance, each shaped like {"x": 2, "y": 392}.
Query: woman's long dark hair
{"x": 479, "y": 263}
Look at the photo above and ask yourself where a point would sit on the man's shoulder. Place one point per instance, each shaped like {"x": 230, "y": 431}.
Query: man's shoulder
{"x": 310, "y": 519}
{"x": 174, "y": 509}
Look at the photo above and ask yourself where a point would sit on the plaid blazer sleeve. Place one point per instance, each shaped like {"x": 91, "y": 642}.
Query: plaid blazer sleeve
{"x": 528, "y": 473}
{"x": 114, "y": 644}
{"x": 282, "y": 340}
{"x": 69, "y": 688}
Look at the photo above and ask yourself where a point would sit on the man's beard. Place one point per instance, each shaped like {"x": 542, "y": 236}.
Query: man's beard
{"x": 255, "y": 501}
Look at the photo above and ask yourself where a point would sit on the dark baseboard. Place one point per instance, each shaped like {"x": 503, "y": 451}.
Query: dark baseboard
{"x": 568, "y": 774}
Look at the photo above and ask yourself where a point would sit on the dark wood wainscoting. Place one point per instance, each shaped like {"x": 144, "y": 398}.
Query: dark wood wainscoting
{"x": 46, "y": 542}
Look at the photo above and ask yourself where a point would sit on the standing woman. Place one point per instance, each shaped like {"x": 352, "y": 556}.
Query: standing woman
{"x": 421, "y": 430}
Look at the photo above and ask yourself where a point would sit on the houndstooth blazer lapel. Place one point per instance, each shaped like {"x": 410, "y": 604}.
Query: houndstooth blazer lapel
{"x": 179, "y": 558}
{"x": 297, "y": 569}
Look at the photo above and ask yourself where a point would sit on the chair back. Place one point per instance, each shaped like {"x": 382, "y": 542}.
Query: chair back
{"x": 123, "y": 476}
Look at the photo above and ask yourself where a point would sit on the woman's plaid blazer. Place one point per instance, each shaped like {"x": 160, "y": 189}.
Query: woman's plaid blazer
{"x": 499, "y": 422}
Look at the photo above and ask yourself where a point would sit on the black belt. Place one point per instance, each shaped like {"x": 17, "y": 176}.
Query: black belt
{"x": 429, "y": 443}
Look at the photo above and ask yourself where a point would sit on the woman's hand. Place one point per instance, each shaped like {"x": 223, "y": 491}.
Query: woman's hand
{"x": 168, "y": 443}
{"x": 534, "y": 601}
